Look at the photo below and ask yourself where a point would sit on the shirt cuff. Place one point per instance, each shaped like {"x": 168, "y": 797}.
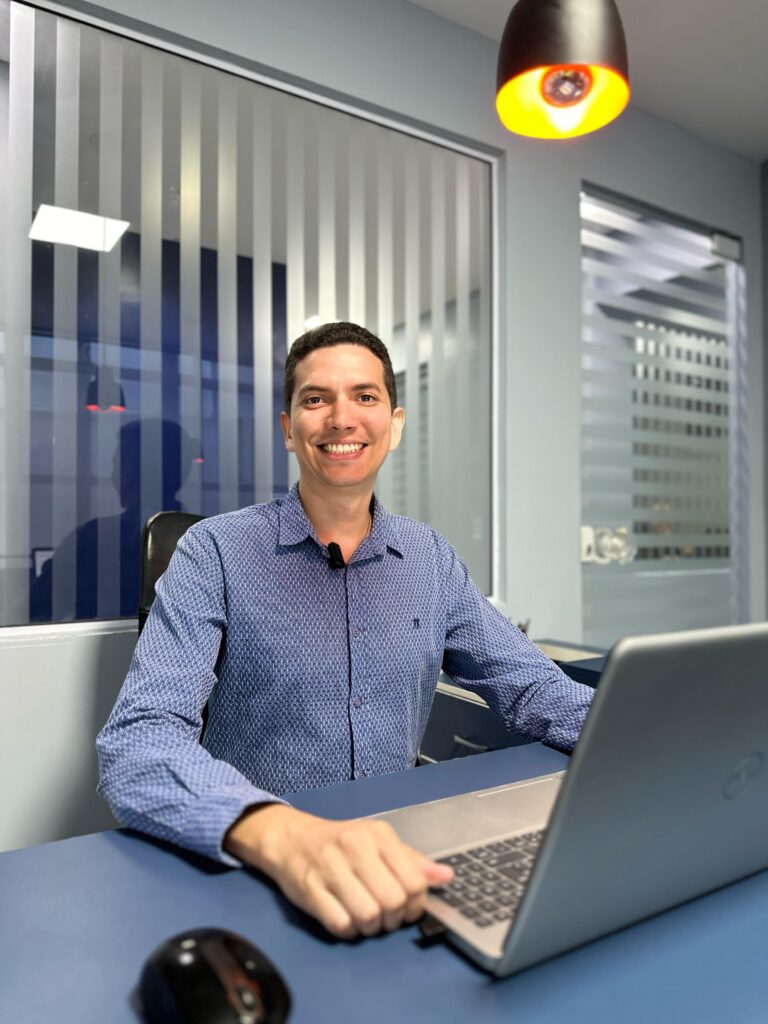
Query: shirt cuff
{"x": 215, "y": 814}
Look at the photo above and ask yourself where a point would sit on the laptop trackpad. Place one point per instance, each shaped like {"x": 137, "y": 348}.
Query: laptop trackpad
{"x": 478, "y": 817}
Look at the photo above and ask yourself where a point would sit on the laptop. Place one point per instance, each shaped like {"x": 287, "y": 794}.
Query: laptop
{"x": 664, "y": 799}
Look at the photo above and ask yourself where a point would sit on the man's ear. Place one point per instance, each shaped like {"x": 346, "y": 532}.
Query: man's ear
{"x": 398, "y": 422}
{"x": 285, "y": 423}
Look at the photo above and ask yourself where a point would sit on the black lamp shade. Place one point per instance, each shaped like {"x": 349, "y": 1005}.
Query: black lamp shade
{"x": 543, "y": 33}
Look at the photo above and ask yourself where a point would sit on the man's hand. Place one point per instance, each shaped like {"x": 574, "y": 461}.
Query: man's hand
{"x": 356, "y": 877}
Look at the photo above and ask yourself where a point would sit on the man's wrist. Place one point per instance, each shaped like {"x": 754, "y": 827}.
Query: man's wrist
{"x": 256, "y": 835}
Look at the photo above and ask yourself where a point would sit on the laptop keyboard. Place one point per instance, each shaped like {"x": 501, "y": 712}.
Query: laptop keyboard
{"x": 489, "y": 880}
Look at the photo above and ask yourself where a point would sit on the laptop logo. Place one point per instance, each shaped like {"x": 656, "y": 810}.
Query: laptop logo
{"x": 743, "y": 775}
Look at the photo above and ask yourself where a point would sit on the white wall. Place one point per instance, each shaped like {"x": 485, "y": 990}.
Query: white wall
{"x": 57, "y": 687}
{"x": 392, "y": 55}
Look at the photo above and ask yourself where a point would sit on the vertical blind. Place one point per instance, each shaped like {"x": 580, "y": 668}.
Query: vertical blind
{"x": 150, "y": 377}
{"x": 662, "y": 424}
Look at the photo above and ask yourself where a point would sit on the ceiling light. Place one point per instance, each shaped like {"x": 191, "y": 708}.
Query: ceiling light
{"x": 562, "y": 68}
{"x": 72, "y": 227}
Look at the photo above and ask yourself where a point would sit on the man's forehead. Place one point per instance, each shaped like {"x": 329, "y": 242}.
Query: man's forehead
{"x": 334, "y": 362}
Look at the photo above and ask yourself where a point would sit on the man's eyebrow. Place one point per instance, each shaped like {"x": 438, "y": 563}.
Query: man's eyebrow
{"x": 319, "y": 389}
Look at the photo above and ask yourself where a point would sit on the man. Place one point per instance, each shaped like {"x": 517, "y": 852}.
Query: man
{"x": 317, "y": 624}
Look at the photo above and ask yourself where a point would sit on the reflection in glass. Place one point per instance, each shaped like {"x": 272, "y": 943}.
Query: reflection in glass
{"x": 148, "y": 377}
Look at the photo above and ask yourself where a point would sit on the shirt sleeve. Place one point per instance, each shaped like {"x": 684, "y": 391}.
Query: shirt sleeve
{"x": 154, "y": 773}
{"x": 486, "y": 653}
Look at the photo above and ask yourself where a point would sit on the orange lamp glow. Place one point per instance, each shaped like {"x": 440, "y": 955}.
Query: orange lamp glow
{"x": 597, "y": 95}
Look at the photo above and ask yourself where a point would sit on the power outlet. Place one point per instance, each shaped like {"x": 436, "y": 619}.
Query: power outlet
{"x": 587, "y": 544}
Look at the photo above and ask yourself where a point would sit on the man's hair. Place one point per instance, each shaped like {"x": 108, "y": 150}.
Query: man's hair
{"x": 336, "y": 334}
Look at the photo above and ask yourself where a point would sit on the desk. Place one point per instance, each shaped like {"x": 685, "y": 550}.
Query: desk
{"x": 78, "y": 917}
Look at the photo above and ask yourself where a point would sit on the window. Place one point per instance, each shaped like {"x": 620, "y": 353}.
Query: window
{"x": 662, "y": 436}
{"x": 149, "y": 376}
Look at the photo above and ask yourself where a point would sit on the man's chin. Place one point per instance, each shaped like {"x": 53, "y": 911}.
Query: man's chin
{"x": 343, "y": 477}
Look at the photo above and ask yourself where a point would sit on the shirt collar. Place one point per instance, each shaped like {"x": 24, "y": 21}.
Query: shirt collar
{"x": 295, "y": 528}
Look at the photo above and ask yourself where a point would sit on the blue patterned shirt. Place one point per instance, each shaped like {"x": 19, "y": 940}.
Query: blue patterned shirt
{"x": 315, "y": 675}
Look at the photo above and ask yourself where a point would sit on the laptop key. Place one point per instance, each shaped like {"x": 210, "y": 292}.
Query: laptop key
{"x": 512, "y": 857}
{"x": 470, "y": 912}
{"x": 513, "y": 872}
{"x": 530, "y": 841}
{"x": 483, "y": 922}
{"x": 453, "y": 899}
{"x": 454, "y": 859}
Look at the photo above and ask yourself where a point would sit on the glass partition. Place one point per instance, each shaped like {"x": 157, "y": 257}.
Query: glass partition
{"x": 663, "y": 476}
{"x": 145, "y": 373}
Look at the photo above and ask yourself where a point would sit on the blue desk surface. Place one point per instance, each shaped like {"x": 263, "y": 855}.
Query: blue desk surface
{"x": 78, "y": 918}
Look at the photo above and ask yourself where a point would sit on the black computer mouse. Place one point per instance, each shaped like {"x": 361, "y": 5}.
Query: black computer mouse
{"x": 212, "y": 976}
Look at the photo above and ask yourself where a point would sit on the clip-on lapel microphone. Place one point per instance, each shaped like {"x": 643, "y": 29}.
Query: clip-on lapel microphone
{"x": 336, "y": 557}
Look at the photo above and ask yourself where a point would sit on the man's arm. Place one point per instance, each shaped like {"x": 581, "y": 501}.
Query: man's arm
{"x": 356, "y": 877}
{"x": 486, "y": 653}
{"x": 154, "y": 772}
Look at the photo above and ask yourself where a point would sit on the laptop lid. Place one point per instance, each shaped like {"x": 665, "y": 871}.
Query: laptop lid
{"x": 666, "y": 796}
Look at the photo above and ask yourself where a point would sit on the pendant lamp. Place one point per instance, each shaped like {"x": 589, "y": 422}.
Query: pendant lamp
{"x": 562, "y": 69}
{"x": 104, "y": 393}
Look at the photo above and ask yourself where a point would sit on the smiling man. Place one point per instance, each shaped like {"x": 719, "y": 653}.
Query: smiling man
{"x": 315, "y": 627}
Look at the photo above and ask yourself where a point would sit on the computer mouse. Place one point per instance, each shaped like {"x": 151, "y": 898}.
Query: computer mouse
{"x": 212, "y": 976}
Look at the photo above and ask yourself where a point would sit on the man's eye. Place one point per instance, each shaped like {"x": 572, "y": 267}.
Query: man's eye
{"x": 313, "y": 400}
{"x": 367, "y": 399}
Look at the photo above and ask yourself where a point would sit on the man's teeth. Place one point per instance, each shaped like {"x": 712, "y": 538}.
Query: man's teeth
{"x": 342, "y": 449}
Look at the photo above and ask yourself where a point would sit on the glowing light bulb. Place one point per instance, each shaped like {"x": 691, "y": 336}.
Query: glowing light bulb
{"x": 562, "y": 101}
{"x": 566, "y": 86}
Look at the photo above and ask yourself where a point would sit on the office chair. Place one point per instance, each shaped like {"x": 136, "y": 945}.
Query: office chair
{"x": 159, "y": 538}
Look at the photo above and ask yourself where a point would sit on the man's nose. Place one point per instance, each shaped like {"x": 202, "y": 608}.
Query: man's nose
{"x": 342, "y": 414}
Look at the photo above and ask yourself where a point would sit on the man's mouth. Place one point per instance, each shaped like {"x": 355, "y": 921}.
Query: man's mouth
{"x": 343, "y": 449}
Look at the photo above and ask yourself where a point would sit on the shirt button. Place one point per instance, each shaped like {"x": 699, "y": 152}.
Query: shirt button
{"x": 355, "y": 631}
{"x": 357, "y": 702}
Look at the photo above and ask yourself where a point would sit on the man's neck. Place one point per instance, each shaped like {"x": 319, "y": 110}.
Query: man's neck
{"x": 343, "y": 515}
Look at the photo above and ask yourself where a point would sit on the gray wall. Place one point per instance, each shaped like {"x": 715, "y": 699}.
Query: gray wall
{"x": 764, "y": 219}
{"x": 395, "y": 56}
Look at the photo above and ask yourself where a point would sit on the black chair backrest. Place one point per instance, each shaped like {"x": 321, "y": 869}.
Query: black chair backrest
{"x": 158, "y": 542}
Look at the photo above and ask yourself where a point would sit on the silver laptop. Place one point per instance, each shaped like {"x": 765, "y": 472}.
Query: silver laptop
{"x": 664, "y": 799}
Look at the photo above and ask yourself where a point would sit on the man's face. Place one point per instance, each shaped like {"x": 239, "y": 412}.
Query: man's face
{"x": 341, "y": 425}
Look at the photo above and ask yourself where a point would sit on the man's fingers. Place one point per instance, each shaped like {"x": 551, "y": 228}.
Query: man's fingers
{"x": 437, "y": 874}
{"x": 365, "y": 849}
{"x": 330, "y": 911}
{"x": 350, "y": 890}
{"x": 408, "y": 866}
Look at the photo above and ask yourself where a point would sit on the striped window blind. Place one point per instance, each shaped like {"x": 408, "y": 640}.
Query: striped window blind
{"x": 399, "y": 492}
{"x": 663, "y": 436}
{"x": 149, "y": 376}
